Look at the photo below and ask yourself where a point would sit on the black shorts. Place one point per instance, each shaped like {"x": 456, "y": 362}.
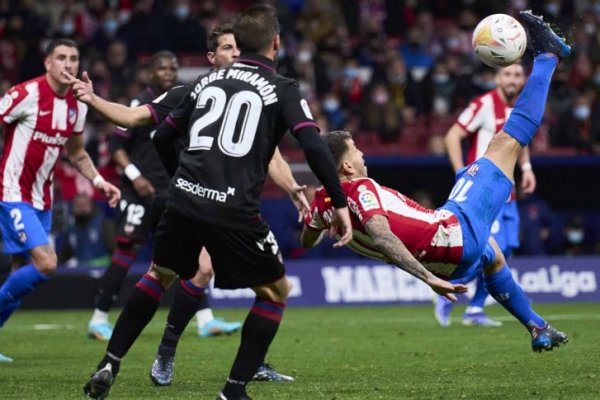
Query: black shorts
{"x": 240, "y": 258}
{"x": 137, "y": 217}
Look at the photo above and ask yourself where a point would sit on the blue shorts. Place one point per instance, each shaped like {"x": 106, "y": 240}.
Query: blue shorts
{"x": 506, "y": 228}
{"x": 23, "y": 227}
{"x": 476, "y": 199}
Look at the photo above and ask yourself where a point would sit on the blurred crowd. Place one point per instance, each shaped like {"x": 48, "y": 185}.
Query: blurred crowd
{"x": 394, "y": 72}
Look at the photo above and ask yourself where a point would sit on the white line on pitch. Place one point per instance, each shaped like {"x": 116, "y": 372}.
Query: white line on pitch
{"x": 52, "y": 327}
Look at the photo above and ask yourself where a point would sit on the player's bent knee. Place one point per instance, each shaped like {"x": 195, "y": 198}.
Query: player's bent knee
{"x": 277, "y": 291}
{"x": 497, "y": 263}
{"x": 164, "y": 275}
{"x": 44, "y": 259}
{"x": 201, "y": 279}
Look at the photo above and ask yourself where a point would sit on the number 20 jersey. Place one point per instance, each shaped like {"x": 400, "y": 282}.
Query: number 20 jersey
{"x": 234, "y": 119}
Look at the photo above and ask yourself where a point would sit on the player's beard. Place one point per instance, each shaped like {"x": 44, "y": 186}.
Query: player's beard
{"x": 510, "y": 95}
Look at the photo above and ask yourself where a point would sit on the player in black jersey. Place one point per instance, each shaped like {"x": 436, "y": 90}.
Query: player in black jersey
{"x": 144, "y": 186}
{"x": 234, "y": 119}
{"x": 222, "y": 51}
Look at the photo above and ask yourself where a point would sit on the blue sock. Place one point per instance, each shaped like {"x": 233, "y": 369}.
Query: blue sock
{"x": 7, "y": 311}
{"x": 20, "y": 283}
{"x": 508, "y": 293}
{"x": 526, "y": 117}
{"x": 480, "y": 295}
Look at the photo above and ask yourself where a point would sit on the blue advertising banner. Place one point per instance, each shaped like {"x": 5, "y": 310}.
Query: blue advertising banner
{"x": 362, "y": 281}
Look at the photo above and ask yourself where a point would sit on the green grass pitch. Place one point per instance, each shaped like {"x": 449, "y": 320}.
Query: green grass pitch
{"x": 335, "y": 353}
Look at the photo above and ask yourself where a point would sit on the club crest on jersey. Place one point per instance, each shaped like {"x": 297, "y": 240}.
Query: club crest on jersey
{"x": 72, "y": 115}
{"x": 22, "y": 237}
{"x": 473, "y": 170}
{"x": 368, "y": 200}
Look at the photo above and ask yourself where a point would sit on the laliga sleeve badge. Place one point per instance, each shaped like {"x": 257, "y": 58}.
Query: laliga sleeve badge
{"x": 5, "y": 103}
{"x": 368, "y": 200}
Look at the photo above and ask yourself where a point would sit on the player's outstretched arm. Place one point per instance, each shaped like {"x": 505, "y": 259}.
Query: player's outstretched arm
{"x": 80, "y": 158}
{"x": 384, "y": 239}
{"x": 281, "y": 173}
{"x": 129, "y": 117}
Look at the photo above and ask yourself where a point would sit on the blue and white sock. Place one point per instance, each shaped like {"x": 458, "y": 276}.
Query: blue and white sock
{"x": 508, "y": 293}
{"x": 526, "y": 117}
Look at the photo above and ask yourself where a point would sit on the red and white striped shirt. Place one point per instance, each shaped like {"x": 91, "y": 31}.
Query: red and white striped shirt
{"x": 485, "y": 116}
{"x": 434, "y": 237}
{"x": 37, "y": 123}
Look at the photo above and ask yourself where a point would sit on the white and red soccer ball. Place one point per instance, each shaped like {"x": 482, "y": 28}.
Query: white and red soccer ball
{"x": 499, "y": 40}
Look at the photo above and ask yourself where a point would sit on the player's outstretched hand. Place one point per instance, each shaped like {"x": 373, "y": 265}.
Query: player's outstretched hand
{"x": 341, "y": 224}
{"x": 112, "y": 193}
{"x": 83, "y": 88}
{"x": 445, "y": 288}
{"x": 299, "y": 199}
{"x": 143, "y": 187}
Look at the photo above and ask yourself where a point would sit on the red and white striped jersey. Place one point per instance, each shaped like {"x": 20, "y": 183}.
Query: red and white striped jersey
{"x": 37, "y": 124}
{"x": 484, "y": 117}
{"x": 434, "y": 237}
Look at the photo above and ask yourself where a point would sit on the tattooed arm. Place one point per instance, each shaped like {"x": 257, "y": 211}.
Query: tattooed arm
{"x": 80, "y": 158}
{"x": 391, "y": 246}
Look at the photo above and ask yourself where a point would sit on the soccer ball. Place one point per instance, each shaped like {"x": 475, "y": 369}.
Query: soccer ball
{"x": 499, "y": 40}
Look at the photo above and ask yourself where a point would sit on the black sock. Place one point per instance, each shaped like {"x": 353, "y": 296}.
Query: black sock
{"x": 188, "y": 297}
{"x": 258, "y": 332}
{"x": 138, "y": 311}
{"x": 113, "y": 278}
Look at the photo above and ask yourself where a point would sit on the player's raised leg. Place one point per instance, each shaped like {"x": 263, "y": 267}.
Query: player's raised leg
{"x": 527, "y": 114}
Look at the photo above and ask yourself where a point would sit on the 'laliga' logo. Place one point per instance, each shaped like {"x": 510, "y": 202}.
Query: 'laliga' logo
{"x": 368, "y": 200}
{"x": 473, "y": 170}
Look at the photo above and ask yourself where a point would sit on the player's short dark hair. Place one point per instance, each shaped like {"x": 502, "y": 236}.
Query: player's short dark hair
{"x": 255, "y": 28}
{"x": 60, "y": 42}
{"x": 213, "y": 39}
{"x": 337, "y": 141}
{"x": 159, "y": 55}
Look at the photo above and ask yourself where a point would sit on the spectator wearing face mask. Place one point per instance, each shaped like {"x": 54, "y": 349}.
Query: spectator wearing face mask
{"x": 107, "y": 32}
{"x": 381, "y": 115}
{"x": 574, "y": 237}
{"x": 578, "y": 127}
{"x": 444, "y": 88}
{"x": 185, "y": 34}
{"x": 332, "y": 111}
